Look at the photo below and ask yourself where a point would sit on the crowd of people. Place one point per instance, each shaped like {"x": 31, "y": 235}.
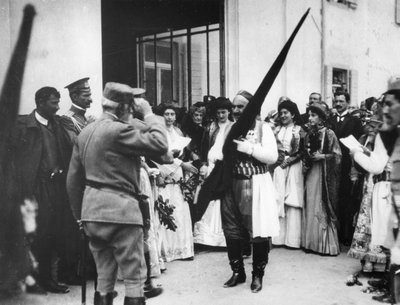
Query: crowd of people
{"x": 134, "y": 181}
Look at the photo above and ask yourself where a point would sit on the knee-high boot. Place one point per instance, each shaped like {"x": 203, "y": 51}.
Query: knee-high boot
{"x": 236, "y": 262}
{"x": 134, "y": 301}
{"x": 103, "y": 299}
{"x": 149, "y": 290}
{"x": 260, "y": 260}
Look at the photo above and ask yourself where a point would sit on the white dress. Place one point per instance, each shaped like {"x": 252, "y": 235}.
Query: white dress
{"x": 178, "y": 244}
{"x": 289, "y": 184}
{"x": 208, "y": 231}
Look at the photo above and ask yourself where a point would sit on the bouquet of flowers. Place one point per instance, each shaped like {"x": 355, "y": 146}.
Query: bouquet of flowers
{"x": 313, "y": 145}
{"x": 165, "y": 211}
{"x": 189, "y": 187}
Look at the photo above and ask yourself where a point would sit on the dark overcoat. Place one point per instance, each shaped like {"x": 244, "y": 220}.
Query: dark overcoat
{"x": 27, "y": 146}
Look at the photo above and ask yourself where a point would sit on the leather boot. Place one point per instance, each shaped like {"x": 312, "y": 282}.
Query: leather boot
{"x": 234, "y": 247}
{"x": 238, "y": 276}
{"x": 394, "y": 272}
{"x": 246, "y": 248}
{"x": 149, "y": 290}
{"x": 260, "y": 260}
{"x": 134, "y": 301}
{"x": 103, "y": 299}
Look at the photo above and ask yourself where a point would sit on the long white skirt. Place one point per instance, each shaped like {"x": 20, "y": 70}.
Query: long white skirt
{"x": 208, "y": 231}
{"x": 178, "y": 244}
{"x": 289, "y": 185}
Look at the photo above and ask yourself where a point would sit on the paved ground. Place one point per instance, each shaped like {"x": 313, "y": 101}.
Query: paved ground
{"x": 292, "y": 277}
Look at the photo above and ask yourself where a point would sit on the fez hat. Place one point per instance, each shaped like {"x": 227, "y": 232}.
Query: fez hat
{"x": 81, "y": 85}
{"x": 320, "y": 109}
{"x": 245, "y": 94}
{"x": 118, "y": 93}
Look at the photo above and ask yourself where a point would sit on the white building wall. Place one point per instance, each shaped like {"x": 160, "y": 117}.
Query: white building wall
{"x": 363, "y": 40}
{"x": 383, "y": 49}
{"x": 65, "y": 46}
{"x": 260, "y": 28}
{"x": 303, "y": 64}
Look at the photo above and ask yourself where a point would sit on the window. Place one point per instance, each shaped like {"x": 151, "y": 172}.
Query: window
{"x": 350, "y": 3}
{"x": 183, "y": 65}
{"x": 341, "y": 80}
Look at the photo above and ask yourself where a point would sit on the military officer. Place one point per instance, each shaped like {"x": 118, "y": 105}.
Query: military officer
{"x": 104, "y": 188}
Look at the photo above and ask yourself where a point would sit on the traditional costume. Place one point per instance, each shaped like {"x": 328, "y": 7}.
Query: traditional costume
{"x": 321, "y": 189}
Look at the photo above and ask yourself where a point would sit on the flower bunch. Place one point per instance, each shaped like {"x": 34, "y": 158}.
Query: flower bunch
{"x": 165, "y": 211}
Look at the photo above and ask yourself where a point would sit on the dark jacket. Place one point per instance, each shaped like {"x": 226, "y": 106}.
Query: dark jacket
{"x": 349, "y": 126}
{"x": 27, "y": 146}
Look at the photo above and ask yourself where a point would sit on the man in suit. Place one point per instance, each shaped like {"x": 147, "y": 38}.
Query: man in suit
{"x": 41, "y": 159}
{"x": 344, "y": 124}
{"x": 104, "y": 188}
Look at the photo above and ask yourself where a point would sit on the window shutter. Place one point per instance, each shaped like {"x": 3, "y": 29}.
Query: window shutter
{"x": 353, "y": 81}
{"x": 397, "y": 15}
{"x": 352, "y": 3}
{"x": 327, "y": 94}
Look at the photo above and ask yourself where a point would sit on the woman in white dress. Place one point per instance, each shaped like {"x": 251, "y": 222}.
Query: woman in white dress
{"x": 178, "y": 244}
{"x": 288, "y": 177}
{"x": 208, "y": 231}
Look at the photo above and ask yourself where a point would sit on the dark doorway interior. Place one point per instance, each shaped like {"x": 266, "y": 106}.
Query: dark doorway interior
{"x": 127, "y": 22}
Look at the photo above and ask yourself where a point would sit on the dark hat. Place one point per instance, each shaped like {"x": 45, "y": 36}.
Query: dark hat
{"x": 245, "y": 94}
{"x": 292, "y": 108}
{"x": 288, "y": 105}
{"x": 208, "y": 98}
{"x": 118, "y": 93}
{"x": 81, "y": 85}
{"x": 320, "y": 109}
{"x": 222, "y": 103}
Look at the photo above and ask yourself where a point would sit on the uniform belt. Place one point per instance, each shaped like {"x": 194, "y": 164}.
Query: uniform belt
{"x": 99, "y": 185}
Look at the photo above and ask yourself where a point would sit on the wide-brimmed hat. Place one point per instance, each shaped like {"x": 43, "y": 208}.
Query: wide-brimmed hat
{"x": 118, "y": 93}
